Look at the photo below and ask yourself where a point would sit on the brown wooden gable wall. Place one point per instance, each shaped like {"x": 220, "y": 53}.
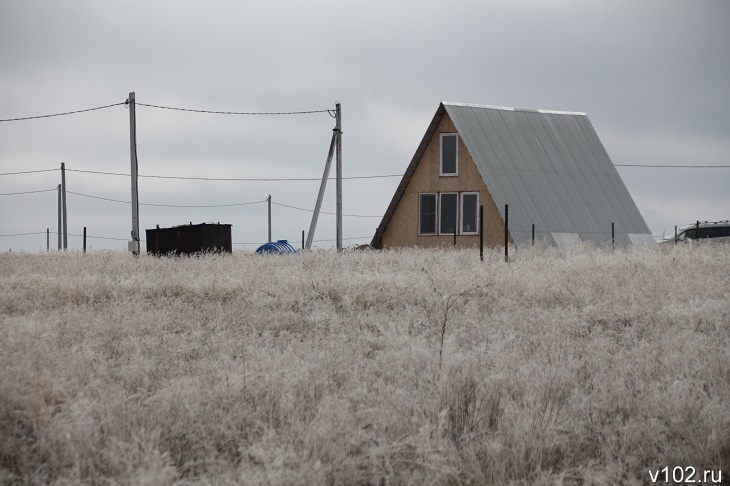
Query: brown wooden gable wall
{"x": 402, "y": 229}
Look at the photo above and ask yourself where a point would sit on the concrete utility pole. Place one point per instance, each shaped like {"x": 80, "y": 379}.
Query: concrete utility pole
{"x": 335, "y": 144}
{"x": 338, "y": 128}
{"x": 60, "y": 220}
{"x": 269, "y": 200}
{"x": 133, "y": 245}
{"x": 65, "y": 220}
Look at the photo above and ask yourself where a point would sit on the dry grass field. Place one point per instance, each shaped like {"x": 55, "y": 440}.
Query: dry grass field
{"x": 580, "y": 366}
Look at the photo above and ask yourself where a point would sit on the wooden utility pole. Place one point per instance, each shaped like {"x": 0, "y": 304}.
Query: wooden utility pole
{"x": 63, "y": 192}
{"x": 338, "y": 129}
{"x": 60, "y": 220}
{"x": 134, "y": 244}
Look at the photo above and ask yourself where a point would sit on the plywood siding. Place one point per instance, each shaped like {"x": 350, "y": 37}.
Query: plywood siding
{"x": 402, "y": 231}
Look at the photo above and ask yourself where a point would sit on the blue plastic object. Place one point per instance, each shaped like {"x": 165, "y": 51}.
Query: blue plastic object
{"x": 280, "y": 247}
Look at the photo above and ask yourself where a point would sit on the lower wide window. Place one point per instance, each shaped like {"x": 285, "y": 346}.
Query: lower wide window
{"x": 447, "y": 213}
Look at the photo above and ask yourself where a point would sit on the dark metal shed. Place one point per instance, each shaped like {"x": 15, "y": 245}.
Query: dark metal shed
{"x": 188, "y": 239}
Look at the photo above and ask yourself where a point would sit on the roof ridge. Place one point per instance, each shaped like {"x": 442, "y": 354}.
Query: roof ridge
{"x": 508, "y": 108}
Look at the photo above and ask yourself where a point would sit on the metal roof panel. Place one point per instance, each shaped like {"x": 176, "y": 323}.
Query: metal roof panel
{"x": 552, "y": 170}
{"x": 549, "y": 166}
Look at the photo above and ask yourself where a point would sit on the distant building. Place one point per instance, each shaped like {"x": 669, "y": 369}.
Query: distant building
{"x": 548, "y": 166}
{"x": 188, "y": 239}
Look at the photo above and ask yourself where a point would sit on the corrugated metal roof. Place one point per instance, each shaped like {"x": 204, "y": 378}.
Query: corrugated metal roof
{"x": 549, "y": 166}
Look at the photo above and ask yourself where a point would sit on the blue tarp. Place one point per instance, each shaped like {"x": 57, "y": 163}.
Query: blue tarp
{"x": 280, "y": 247}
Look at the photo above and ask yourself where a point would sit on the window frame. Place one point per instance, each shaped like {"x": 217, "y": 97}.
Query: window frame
{"x": 456, "y": 216}
{"x": 461, "y": 213}
{"x": 456, "y": 155}
{"x": 436, "y": 213}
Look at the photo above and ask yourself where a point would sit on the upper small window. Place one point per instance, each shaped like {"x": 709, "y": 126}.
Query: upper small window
{"x": 449, "y": 154}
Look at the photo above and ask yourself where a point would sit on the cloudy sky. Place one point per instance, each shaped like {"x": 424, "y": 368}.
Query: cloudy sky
{"x": 653, "y": 77}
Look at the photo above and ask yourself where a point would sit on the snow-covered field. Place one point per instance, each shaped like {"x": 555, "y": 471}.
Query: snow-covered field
{"x": 583, "y": 366}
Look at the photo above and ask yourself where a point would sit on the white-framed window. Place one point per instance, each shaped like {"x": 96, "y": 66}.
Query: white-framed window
{"x": 448, "y": 212}
{"x": 427, "y": 213}
{"x": 449, "y": 154}
{"x": 469, "y": 213}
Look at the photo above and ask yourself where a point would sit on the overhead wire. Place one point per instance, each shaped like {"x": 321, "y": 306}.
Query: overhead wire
{"x": 27, "y": 192}
{"x": 62, "y": 114}
{"x": 25, "y": 234}
{"x": 675, "y": 166}
{"x": 313, "y": 241}
{"x": 28, "y": 172}
{"x": 325, "y": 212}
{"x": 249, "y": 179}
{"x": 308, "y": 112}
{"x": 168, "y": 205}
{"x": 293, "y": 179}
{"x": 215, "y": 205}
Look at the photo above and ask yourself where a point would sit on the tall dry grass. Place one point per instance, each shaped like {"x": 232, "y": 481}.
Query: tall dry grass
{"x": 582, "y": 366}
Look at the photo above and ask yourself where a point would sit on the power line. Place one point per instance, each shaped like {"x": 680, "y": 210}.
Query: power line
{"x": 236, "y": 112}
{"x": 215, "y": 205}
{"x": 28, "y": 172}
{"x": 676, "y": 166}
{"x": 167, "y": 108}
{"x": 325, "y": 212}
{"x": 250, "y": 179}
{"x": 168, "y": 205}
{"x": 62, "y": 114}
{"x": 126, "y": 239}
{"x": 25, "y": 234}
{"x": 27, "y": 192}
{"x": 313, "y": 241}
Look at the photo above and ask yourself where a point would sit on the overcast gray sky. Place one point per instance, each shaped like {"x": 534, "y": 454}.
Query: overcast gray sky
{"x": 653, "y": 77}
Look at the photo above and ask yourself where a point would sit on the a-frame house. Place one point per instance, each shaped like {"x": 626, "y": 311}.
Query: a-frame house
{"x": 550, "y": 168}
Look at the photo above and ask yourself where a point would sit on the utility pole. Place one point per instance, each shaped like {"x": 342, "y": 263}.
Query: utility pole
{"x": 65, "y": 220}
{"x": 325, "y": 176}
{"x": 269, "y": 200}
{"x": 338, "y": 129}
{"x": 60, "y": 221}
{"x": 133, "y": 245}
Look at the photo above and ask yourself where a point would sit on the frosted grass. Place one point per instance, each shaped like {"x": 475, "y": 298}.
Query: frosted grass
{"x": 582, "y": 366}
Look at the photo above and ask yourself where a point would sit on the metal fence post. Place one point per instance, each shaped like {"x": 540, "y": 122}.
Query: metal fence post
{"x": 613, "y": 236}
{"x": 506, "y": 232}
{"x": 481, "y": 232}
